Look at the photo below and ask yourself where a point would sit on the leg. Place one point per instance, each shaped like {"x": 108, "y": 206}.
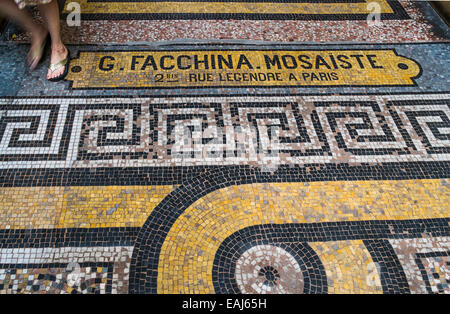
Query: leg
{"x": 10, "y": 10}
{"x": 50, "y": 13}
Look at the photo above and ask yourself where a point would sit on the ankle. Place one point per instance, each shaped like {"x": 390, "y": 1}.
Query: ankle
{"x": 59, "y": 47}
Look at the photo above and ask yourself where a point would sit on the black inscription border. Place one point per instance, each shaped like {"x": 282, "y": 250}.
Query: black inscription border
{"x": 413, "y": 79}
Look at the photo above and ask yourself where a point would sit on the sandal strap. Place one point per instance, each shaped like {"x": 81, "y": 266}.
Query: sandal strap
{"x": 55, "y": 66}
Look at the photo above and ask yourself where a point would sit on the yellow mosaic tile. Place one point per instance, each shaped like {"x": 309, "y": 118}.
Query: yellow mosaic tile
{"x": 227, "y": 7}
{"x": 349, "y": 267}
{"x": 78, "y": 207}
{"x": 30, "y": 207}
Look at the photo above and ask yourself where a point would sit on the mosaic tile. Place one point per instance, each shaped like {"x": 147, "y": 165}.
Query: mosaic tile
{"x": 242, "y": 68}
{"x": 35, "y": 280}
{"x": 64, "y": 270}
{"x": 424, "y": 261}
{"x": 78, "y": 207}
{"x": 339, "y": 21}
{"x": 257, "y": 210}
{"x": 352, "y": 130}
{"x": 271, "y": 10}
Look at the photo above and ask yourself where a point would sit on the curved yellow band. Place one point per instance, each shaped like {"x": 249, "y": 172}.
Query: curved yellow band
{"x": 187, "y": 255}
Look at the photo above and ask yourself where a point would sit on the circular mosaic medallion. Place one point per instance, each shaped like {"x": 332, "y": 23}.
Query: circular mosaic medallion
{"x": 268, "y": 269}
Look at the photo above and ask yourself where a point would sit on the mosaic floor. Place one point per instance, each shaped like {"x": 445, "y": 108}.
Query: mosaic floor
{"x": 229, "y": 147}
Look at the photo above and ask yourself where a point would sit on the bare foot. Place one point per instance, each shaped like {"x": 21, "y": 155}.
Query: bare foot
{"x": 36, "y": 50}
{"x": 59, "y": 53}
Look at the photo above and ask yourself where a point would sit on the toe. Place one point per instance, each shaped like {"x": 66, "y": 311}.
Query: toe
{"x": 54, "y": 74}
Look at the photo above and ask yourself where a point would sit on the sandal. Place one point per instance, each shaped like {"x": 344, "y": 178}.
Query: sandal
{"x": 56, "y": 66}
{"x": 37, "y": 55}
